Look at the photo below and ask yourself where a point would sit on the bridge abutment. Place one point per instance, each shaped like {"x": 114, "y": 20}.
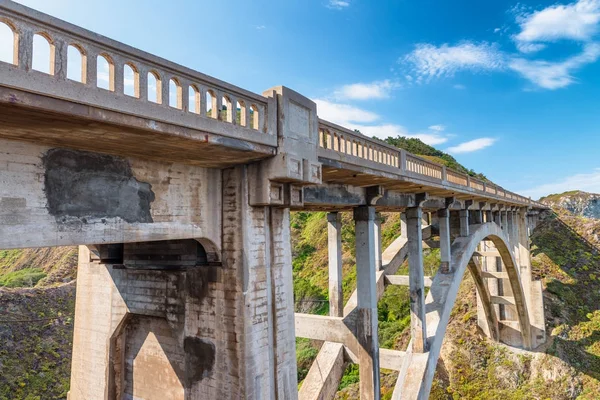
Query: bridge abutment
{"x": 172, "y": 320}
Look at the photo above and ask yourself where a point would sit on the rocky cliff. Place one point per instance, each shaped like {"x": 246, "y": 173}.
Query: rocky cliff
{"x": 576, "y": 202}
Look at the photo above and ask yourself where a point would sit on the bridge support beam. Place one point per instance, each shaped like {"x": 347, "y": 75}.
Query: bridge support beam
{"x": 367, "y": 333}
{"x": 377, "y": 237}
{"x": 334, "y": 238}
{"x": 213, "y": 322}
{"x": 444, "y": 228}
{"x": 416, "y": 274}
{"x": 464, "y": 222}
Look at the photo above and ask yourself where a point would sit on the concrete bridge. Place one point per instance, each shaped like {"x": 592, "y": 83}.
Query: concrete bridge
{"x": 178, "y": 189}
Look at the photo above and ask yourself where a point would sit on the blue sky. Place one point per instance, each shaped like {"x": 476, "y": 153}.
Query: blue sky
{"x": 510, "y": 88}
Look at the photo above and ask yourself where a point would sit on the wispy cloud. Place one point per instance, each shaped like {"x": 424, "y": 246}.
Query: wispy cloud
{"x": 437, "y": 128}
{"x": 472, "y": 145}
{"x": 338, "y": 4}
{"x": 589, "y": 182}
{"x": 575, "y": 21}
{"x": 369, "y": 123}
{"x": 555, "y": 75}
{"x": 260, "y": 27}
{"x": 344, "y": 114}
{"x": 459, "y": 86}
{"x": 365, "y": 91}
{"x": 429, "y": 61}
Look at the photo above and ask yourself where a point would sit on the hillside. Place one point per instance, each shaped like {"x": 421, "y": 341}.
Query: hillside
{"x": 576, "y": 202}
{"x": 36, "y": 322}
{"x": 471, "y": 366}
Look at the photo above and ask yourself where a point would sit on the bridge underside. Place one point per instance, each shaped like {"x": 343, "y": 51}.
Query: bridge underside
{"x": 60, "y": 123}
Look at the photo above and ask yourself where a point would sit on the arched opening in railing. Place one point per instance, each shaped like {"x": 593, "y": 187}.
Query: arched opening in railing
{"x": 336, "y": 145}
{"x": 43, "y": 53}
{"x": 211, "y": 104}
{"x": 154, "y": 87}
{"x": 175, "y": 94}
{"x": 254, "y": 116}
{"x": 131, "y": 80}
{"x": 227, "y": 109}
{"x": 240, "y": 111}
{"x": 105, "y": 73}
{"x": 76, "y": 63}
{"x": 194, "y": 99}
{"x": 8, "y": 43}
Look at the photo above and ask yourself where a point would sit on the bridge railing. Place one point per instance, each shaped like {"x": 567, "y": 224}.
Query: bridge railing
{"x": 115, "y": 76}
{"x": 344, "y": 145}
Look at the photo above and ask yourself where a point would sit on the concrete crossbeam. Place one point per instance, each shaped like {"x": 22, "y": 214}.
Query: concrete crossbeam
{"x": 323, "y": 378}
{"x": 404, "y": 280}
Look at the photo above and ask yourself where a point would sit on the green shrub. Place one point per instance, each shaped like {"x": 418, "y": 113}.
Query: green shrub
{"x": 27, "y": 277}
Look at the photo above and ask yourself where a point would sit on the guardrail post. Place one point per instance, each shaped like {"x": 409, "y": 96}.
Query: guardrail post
{"x": 402, "y": 161}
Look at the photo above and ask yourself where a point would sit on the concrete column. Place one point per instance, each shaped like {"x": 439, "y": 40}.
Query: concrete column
{"x": 416, "y": 279}
{"x": 464, "y": 222}
{"x": 523, "y": 238}
{"x": 377, "y": 233}
{"x": 504, "y": 220}
{"x": 476, "y": 217}
{"x": 496, "y": 216}
{"x": 445, "y": 256}
{"x": 403, "y": 229}
{"x": 364, "y": 218}
{"x": 488, "y": 216}
{"x": 334, "y": 238}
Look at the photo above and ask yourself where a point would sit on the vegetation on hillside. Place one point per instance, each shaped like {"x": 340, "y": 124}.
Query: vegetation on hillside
{"x": 36, "y": 332}
{"x": 416, "y": 146}
{"x": 39, "y": 267}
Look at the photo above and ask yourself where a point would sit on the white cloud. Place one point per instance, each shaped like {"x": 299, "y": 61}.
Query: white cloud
{"x": 260, "y": 27}
{"x": 530, "y": 47}
{"x": 437, "y": 128}
{"x": 352, "y": 118}
{"x": 589, "y": 182}
{"x": 429, "y": 61}
{"x": 555, "y": 75}
{"x": 338, "y": 4}
{"x": 459, "y": 86}
{"x": 343, "y": 114}
{"x": 365, "y": 91}
{"x": 472, "y": 145}
{"x": 575, "y": 21}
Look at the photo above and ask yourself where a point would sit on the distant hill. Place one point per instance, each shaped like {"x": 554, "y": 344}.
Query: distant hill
{"x": 576, "y": 202}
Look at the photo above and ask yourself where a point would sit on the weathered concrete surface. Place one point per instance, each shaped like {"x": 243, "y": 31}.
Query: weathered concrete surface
{"x": 325, "y": 373}
{"x": 229, "y": 315}
{"x": 57, "y": 197}
{"x": 81, "y": 184}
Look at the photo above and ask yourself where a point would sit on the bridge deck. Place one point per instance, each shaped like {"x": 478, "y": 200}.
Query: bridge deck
{"x": 186, "y": 116}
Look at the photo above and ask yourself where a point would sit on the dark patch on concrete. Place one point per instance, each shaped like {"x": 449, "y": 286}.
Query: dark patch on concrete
{"x": 332, "y": 195}
{"x": 89, "y": 185}
{"x": 199, "y": 359}
{"x": 198, "y": 278}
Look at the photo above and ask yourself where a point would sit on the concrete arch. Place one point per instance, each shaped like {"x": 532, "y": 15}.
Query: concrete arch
{"x": 419, "y": 370}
